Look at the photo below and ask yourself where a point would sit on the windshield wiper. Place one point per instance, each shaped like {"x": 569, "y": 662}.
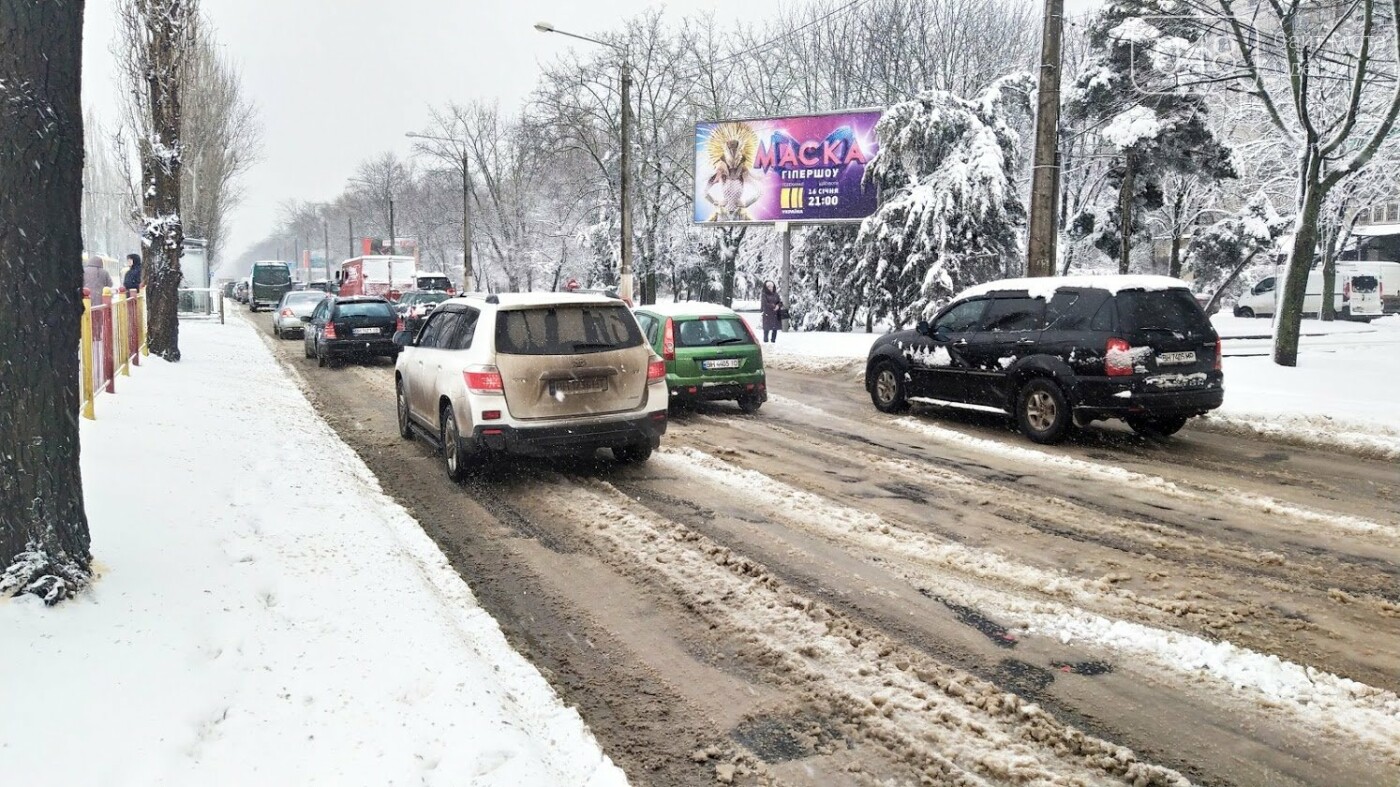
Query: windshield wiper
{"x": 730, "y": 340}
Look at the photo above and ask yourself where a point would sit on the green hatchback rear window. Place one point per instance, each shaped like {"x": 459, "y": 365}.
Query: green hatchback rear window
{"x": 720, "y": 332}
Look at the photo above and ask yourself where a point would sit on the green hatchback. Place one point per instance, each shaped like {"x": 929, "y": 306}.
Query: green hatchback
{"x": 711, "y": 354}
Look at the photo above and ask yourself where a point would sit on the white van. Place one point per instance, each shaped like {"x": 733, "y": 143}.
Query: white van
{"x": 1364, "y": 290}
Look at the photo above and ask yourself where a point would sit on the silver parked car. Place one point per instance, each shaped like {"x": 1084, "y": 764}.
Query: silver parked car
{"x": 286, "y": 318}
{"x": 533, "y": 374}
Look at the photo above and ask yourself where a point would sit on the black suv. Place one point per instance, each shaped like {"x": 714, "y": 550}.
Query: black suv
{"x": 1059, "y": 352}
{"x": 359, "y": 326}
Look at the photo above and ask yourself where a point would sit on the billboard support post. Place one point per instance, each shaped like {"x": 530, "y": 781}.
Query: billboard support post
{"x": 785, "y": 275}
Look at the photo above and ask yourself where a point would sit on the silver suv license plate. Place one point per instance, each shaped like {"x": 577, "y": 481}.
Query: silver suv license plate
{"x": 1176, "y": 359}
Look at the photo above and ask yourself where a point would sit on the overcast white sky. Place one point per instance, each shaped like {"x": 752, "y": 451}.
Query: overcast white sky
{"x": 337, "y": 81}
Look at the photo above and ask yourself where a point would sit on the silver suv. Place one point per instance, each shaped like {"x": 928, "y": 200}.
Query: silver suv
{"x": 530, "y": 373}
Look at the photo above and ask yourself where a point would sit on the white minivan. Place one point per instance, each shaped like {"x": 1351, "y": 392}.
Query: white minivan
{"x": 1364, "y": 290}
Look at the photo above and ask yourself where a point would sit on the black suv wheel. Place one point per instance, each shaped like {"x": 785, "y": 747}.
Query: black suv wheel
{"x": 1042, "y": 411}
{"x": 887, "y": 388}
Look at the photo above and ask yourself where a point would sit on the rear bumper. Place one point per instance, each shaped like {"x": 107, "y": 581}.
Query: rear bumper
{"x": 553, "y": 440}
{"x": 711, "y": 390}
{"x": 370, "y": 346}
{"x": 1105, "y": 397}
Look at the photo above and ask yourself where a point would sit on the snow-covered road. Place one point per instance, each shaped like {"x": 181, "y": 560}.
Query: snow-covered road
{"x": 823, "y": 594}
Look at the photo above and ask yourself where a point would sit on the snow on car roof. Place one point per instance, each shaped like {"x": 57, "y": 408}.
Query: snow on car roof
{"x": 509, "y": 299}
{"x": 1044, "y": 287}
{"x": 688, "y": 309}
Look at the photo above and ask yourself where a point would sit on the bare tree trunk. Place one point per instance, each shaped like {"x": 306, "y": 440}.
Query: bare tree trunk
{"x": 163, "y": 30}
{"x": 44, "y": 540}
{"x": 1328, "y": 311}
{"x": 1300, "y": 261}
{"x": 1125, "y": 217}
{"x": 1225, "y": 285}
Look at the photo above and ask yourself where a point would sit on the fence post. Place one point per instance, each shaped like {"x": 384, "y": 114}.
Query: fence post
{"x": 141, "y": 320}
{"x": 134, "y": 326}
{"x": 88, "y": 392}
{"x": 120, "y": 307}
{"x": 109, "y": 371}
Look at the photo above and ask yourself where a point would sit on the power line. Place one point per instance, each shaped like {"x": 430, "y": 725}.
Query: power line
{"x": 772, "y": 42}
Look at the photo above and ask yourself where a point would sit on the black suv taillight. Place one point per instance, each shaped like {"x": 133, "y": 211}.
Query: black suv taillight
{"x": 1118, "y": 358}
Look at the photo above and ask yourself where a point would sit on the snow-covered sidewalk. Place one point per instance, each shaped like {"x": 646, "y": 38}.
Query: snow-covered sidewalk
{"x": 264, "y": 614}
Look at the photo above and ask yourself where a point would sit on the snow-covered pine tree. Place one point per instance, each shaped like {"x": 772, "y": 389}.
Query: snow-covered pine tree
{"x": 1152, "y": 125}
{"x": 826, "y": 293}
{"x": 1219, "y": 253}
{"x": 949, "y": 207}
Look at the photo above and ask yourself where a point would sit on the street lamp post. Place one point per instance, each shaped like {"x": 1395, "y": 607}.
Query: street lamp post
{"x": 466, "y": 203}
{"x": 625, "y": 274}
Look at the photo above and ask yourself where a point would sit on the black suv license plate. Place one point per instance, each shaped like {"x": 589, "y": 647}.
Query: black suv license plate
{"x": 1176, "y": 359}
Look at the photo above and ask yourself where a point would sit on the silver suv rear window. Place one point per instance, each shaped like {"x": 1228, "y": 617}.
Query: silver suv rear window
{"x": 566, "y": 330}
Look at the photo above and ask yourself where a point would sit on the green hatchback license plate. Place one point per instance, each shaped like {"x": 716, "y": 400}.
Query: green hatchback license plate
{"x": 726, "y": 363}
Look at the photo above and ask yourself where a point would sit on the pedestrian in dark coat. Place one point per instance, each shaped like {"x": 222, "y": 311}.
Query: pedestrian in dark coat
{"x": 772, "y": 304}
{"x": 132, "y": 280}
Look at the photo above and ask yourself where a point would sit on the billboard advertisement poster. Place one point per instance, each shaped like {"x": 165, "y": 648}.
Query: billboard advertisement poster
{"x": 807, "y": 168}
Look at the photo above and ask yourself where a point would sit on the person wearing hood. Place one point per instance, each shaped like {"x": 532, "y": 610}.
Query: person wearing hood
{"x": 95, "y": 279}
{"x": 132, "y": 280}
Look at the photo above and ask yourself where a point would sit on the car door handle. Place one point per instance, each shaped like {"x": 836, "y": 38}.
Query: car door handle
{"x": 1026, "y": 341}
{"x": 960, "y": 343}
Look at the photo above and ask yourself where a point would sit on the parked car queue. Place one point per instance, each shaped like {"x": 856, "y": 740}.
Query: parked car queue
{"x": 478, "y": 376}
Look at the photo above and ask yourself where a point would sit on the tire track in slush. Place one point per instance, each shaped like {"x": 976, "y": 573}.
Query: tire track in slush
{"x": 1311, "y": 697}
{"x": 953, "y": 727}
{"x": 1032, "y": 524}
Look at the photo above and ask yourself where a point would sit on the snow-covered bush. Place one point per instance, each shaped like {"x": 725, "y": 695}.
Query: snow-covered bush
{"x": 1219, "y": 253}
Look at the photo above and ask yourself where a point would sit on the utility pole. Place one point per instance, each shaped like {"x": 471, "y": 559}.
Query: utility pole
{"x": 1045, "y": 178}
{"x": 326, "y": 244}
{"x": 625, "y": 286}
{"x": 392, "y": 239}
{"x": 350, "y": 226}
{"x": 466, "y": 220}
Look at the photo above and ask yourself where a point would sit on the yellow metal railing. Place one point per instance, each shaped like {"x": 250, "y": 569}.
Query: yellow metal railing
{"x": 113, "y": 339}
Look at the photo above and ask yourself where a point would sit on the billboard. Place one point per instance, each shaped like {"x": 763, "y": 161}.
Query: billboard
{"x": 807, "y": 168}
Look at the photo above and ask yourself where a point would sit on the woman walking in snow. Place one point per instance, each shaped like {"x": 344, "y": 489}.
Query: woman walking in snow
{"x": 772, "y": 304}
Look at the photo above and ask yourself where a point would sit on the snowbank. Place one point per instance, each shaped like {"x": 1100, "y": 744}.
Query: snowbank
{"x": 263, "y": 613}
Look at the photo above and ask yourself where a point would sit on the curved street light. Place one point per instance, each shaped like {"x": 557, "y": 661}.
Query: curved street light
{"x": 625, "y": 163}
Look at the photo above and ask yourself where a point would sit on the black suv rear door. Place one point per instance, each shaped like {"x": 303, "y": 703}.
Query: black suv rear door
{"x": 1009, "y": 331}
{"x": 1174, "y": 326}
